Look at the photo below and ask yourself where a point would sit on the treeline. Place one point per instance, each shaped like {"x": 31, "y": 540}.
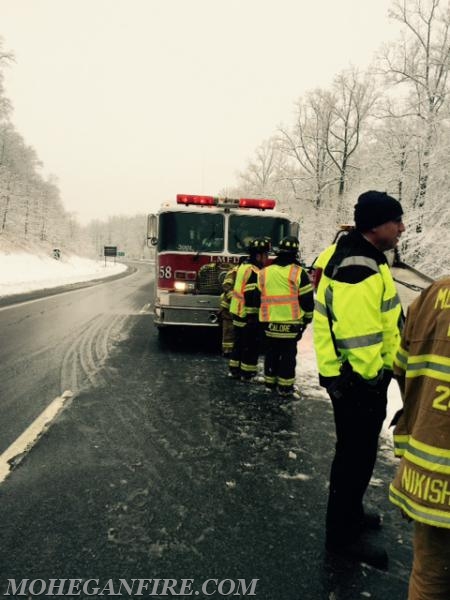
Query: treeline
{"x": 129, "y": 234}
{"x": 386, "y": 129}
{"x": 30, "y": 205}
{"x": 31, "y": 209}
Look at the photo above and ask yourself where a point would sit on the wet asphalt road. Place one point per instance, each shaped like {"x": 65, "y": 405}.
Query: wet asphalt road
{"x": 57, "y": 343}
{"x": 162, "y": 467}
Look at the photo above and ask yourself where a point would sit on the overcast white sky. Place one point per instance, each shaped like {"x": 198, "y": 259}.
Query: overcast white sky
{"x": 129, "y": 102}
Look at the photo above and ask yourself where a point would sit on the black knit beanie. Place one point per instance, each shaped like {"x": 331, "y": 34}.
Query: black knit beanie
{"x": 375, "y": 208}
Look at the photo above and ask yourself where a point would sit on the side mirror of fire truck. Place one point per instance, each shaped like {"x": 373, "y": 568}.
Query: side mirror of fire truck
{"x": 152, "y": 230}
{"x": 294, "y": 228}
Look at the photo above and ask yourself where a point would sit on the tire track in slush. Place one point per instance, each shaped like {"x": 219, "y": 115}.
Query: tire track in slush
{"x": 95, "y": 347}
{"x": 86, "y": 354}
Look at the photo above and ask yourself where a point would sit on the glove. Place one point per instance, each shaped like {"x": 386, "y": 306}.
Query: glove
{"x": 350, "y": 382}
{"x": 300, "y": 332}
{"x": 396, "y": 418}
{"x": 343, "y": 383}
{"x": 252, "y": 319}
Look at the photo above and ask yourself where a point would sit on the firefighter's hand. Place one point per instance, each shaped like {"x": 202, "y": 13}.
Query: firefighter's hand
{"x": 300, "y": 332}
{"x": 396, "y": 418}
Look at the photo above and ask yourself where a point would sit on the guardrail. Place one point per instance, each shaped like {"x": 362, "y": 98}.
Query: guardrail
{"x": 412, "y": 286}
{"x": 417, "y": 272}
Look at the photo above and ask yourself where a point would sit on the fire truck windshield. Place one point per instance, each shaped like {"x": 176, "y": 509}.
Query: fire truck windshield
{"x": 191, "y": 232}
{"x": 243, "y": 228}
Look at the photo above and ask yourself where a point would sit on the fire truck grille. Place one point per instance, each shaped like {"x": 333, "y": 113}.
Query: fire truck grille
{"x": 210, "y": 278}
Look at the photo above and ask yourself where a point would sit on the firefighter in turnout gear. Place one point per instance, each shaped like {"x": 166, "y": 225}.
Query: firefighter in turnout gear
{"x": 286, "y": 307}
{"x": 244, "y": 312}
{"x": 357, "y": 317}
{"x": 421, "y": 488}
{"x": 225, "y": 315}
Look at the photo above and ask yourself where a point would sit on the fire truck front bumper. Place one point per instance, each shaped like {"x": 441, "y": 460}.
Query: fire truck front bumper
{"x": 186, "y": 309}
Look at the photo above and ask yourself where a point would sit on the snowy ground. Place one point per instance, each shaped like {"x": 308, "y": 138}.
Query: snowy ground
{"x": 23, "y": 272}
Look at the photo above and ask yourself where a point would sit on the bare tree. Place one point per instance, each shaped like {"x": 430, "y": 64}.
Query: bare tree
{"x": 305, "y": 145}
{"x": 392, "y": 156}
{"x": 352, "y": 100}
{"x": 5, "y": 105}
{"x": 262, "y": 173}
{"x": 6, "y": 185}
{"x": 421, "y": 61}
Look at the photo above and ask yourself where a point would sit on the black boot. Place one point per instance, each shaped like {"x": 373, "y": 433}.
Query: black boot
{"x": 360, "y": 551}
{"x": 371, "y": 521}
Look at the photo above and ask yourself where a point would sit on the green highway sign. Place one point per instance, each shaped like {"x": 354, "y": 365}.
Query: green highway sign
{"x": 110, "y": 250}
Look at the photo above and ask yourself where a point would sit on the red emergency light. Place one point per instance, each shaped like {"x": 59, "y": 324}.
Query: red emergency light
{"x": 201, "y": 200}
{"x": 259, "y": 203}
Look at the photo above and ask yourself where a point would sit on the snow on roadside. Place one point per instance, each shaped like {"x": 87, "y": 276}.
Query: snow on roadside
{"x": 23, "y": 272}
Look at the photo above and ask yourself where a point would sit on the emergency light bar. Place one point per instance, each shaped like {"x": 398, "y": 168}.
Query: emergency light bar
{"x": 260, "y": 203}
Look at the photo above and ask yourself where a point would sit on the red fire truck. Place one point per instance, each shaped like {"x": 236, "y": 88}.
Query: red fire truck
{"x": 197, "y": 240}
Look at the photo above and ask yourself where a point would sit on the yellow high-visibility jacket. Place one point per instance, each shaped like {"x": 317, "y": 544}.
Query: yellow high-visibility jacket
{"x": 357, "y": 311}
{"x": 285, "y": 294}
{"x": 244, "y": 282}
{"x": 321, "y": 326}
{"x": 421, "y": 487}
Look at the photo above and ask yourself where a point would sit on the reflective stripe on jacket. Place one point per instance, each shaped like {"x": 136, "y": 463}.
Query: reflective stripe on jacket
{"x": 237, "y": 305}
{"x": 328, "y": 366}
{"x": 279, "y": 293}
{"x": 281, "y": 288}
{"x": 357, "y": 311}
{"x": 421, "y": 487}
{"x": 227, "y": 286}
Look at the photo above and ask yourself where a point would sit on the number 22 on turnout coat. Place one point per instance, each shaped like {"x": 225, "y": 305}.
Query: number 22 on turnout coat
{"x": 422, "y": 434}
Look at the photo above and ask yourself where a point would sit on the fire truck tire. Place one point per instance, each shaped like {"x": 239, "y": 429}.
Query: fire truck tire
{"x": 164, "y": 335}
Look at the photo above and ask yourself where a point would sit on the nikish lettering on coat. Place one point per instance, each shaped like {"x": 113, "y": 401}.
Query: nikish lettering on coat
{"x": 430, "y": 489}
